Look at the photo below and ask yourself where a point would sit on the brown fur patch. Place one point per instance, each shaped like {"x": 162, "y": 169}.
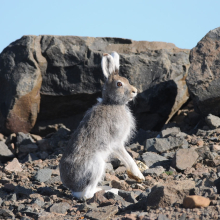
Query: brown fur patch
{"x": 130, "y": 174}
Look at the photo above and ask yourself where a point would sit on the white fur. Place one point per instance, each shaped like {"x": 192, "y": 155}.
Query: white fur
{"x": 116, "y": 60}
{"x": 108, "y": 65}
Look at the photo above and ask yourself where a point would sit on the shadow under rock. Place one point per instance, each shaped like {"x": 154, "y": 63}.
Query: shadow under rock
{"x": 153, "y": 106}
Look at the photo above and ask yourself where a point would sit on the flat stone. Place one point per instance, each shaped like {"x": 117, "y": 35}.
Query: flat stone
{"x": 185, "y": 158}
{"x": 102, "y": 213}
{"x": 170, "y": 131}
{"x": 195, "y": 202}
{"x": 121, "y": 184}
{"x": 153, "y": 159}
{"x": 14, "y": 165}
{"x": 61, "y": 207}
{"x": 43, "y": 175}
{"x": 155, "y": 171}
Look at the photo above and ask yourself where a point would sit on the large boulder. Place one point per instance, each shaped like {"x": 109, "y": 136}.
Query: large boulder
{"x": 72, "y": 79}
{"x": 21, "y": 65}
{"x": 203, "y": 79}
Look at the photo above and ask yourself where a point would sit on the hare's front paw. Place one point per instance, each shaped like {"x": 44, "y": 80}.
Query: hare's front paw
{"x": 138, "y": 176}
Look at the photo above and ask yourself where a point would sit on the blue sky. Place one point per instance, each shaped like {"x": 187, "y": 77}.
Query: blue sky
{"x": 182, "y": 22}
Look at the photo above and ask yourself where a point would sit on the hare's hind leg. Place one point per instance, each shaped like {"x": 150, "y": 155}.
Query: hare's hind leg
{"x": 97, "y": 168}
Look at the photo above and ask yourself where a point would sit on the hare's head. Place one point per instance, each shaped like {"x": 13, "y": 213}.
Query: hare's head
{"x": 117, "y": 89}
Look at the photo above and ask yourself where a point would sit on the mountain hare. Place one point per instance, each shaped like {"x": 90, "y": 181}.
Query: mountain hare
{"x": 104, "y": 130}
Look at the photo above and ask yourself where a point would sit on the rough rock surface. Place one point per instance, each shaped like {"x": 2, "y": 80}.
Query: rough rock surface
{"x": 165, "y": 195}
{"x": 21, "y": 78}
{"x": 62, "y": 74}
{"x": 203, "y": 80}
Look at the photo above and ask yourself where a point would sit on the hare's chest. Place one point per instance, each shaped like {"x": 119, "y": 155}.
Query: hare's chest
{"x": 124, "y": 126}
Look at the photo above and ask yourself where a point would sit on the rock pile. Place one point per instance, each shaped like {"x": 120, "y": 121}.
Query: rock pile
{"x": 182, "y": 178}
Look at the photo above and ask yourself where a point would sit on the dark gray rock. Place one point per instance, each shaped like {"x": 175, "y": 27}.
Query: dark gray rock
{"x": 56, "y": 140}
{"x": 43, "y": 175}
{"x": 23, "y": 139}
{"x": 23, "y": 192}
{"x": 30, "y": 157}
{"x": 28, "y": 148}
{"x": 61, "y": 207}
{"x": 161, "y": 145}
{"x": 127, "y": 196}
{"x": 141, "y": 136}
{"x": 33, "y": 67}
{"x": 203, "y": 80}
{"x": 213, "y": 121}
{"x": 153, "y": 159}
{"x": 115, "y": 162}
{"x": 46, "y": 191}
{"x": 42, "y": 155}
{"x": 5, "y": 153}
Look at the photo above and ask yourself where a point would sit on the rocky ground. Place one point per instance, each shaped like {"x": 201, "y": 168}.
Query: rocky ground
{"x": 183, "y": 159}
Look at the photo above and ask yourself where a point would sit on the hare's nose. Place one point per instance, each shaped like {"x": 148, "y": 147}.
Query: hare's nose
{"x": 134, "y": 90}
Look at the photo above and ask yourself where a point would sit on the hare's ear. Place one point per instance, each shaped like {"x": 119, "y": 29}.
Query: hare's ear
{"x": 108, "y": 65}
{"x": 116, "y": 61}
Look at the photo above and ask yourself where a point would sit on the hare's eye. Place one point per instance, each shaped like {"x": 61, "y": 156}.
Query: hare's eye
{"x": 119, "y": 84}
